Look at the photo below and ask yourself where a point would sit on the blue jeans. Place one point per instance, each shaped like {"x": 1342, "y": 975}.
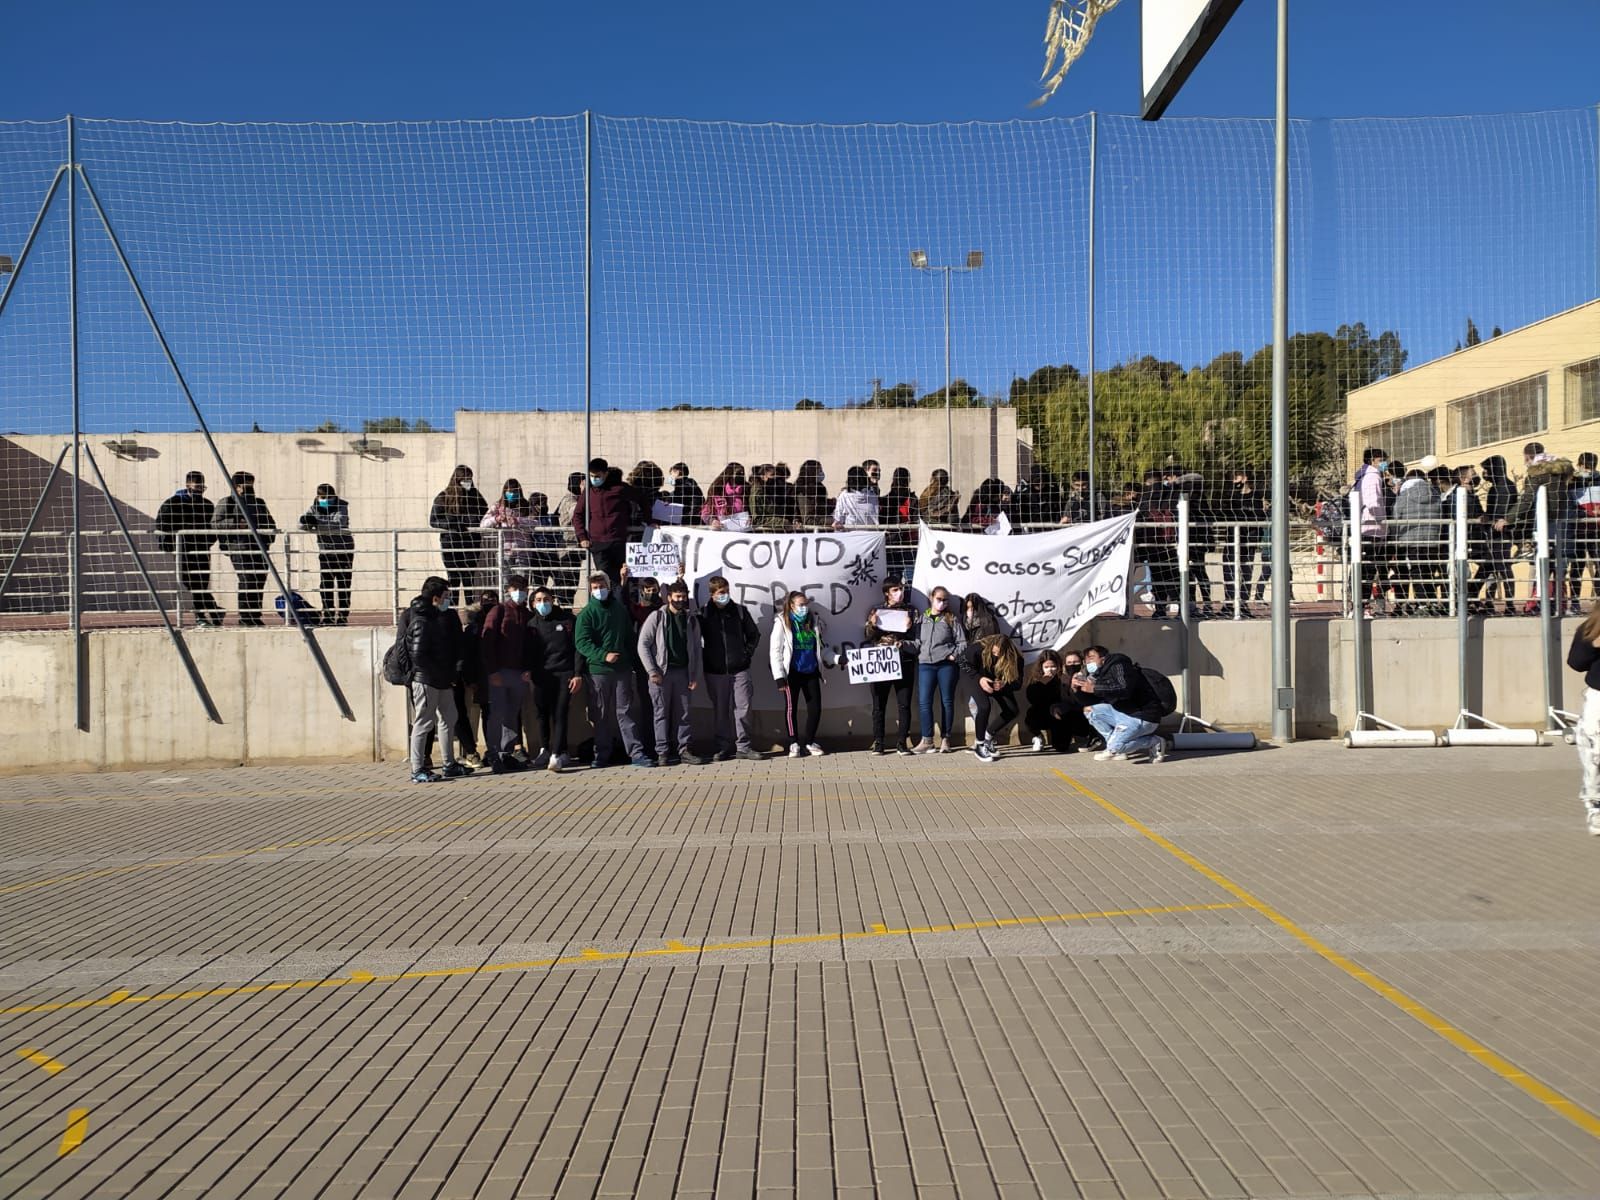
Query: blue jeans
{"x": 943, "y": 677}
{"x": 1123, "y": 734}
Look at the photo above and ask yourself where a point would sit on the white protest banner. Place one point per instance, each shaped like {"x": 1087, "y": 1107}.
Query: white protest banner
{"x": 873, "y": 664}
{"x": 659, "y": 559}
{"x": 1044, "y": 586}
{"x": 841, "y": 575}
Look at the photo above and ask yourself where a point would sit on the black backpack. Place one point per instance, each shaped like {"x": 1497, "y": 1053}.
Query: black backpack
{"x": 1163, "y": 690}
{"x": 397, "y": 664}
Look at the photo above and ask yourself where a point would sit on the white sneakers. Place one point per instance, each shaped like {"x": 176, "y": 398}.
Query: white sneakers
{"x": 814, "y": 750}
{"x": 1038, "y": 744}
{"x": 1110, "y": 756}
{"x": 797, "y": 751}
{"x": 1594, "y": 821}
{"x": 1158, "y": 752}
{"x": 794, "y": 750}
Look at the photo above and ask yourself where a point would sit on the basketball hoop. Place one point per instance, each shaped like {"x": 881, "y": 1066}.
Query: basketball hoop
{"x": 1071, "y": 23}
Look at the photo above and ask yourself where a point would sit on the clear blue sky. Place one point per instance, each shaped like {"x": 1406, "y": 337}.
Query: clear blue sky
{"x": 350, "y": 271}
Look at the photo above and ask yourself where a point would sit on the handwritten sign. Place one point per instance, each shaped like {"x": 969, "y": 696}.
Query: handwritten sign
{"x": 1044, "y": 586}
{"x": 873, "y": 664}
{"x": 894, "y": 620}
{"x": 660, "y": 559}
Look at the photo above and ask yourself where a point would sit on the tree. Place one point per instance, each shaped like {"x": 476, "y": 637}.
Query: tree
{"x": 329, "y": 427}
{"x": 1473, "y": 337}
{"x": 962, "y": 395}
{"x": 1495, "y": 332}
{"x": 808, "y": 405}
{"x": 396, "y": 425}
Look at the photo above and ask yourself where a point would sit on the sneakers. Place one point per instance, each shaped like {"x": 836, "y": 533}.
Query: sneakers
{"x": 877, "y": 748}
{"x": 694, "y": 760}
{"x": 540, "y": 761}
{"x": 814, "y": 750}
{"x": 456, "y": 770}
{"x": 426, "y": 777}
{"x": 1109, "y": 756}
{"x": 1159, "y": 752}
{"x": 750, "y": 755}
{"x": 472, "y": 759}
{"x": 902, "y": 749}
{"x": 558, "y": 762}
{"x": 1594, "y": 821}
{"x": 643, "y": 761}
{"x": 925, "y": 746}
{"x": 944, "y": 747}
{"x": 985, "y": 751}
{"x": 794, "y": 750}
{"x": 1038, "y": 744}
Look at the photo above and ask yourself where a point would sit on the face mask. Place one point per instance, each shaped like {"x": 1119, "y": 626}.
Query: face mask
{"x": 513, "y": 497}
{"x": 1048, "y": 671}
{"x": 543, "y": 608}
{"x": 721, "y": 598}
{"x": 1072, "y": 667}
{"x": 677, "y": 602}
{"x": 821, "y": 478}
{"x": 938, "y": 604}
{"x": 447, "y": 602}
{"x": 517, "y": 596}
{"x": 1093, "y": 668}
{"x": 466, "y": 485}
{"x": 1382, "y": 464}
{"x": 896, "y": 596}
{"x": 601, "y": 594}
{"x": 596, "y": 480}
{"x": 647, "y": 597}
{"x": 324, "y": 503}
{"x": 800, "y": 611}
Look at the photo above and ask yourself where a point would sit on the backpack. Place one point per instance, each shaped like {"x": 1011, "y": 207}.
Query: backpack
{"x": 308, "y": 615}
{"x": 1162, "y": 687}
{"x": 397, "y": 664}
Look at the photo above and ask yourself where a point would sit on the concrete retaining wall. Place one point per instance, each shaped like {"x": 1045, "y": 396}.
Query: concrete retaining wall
{"x": 142, "y": 710}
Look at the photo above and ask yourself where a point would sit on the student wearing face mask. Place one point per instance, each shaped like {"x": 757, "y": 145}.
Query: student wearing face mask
{"x": 604, "y": 638}
{"x": 642, "y": 596}
{"x": 183, "y": 527}
{"x": 456, "y": 512}
{"x": 797, "y": 653}
{"x": 605, "y": 514}
{"x": 729, "y": 641}
{"x": 671, "y": 649}
{"x": 433, "y": 639}
{"x": 553, "y": 666}
{"x": 941, "y": 644}
{"x": 1042, "y": 695}
{"x": 995, "y": 665}
{"x": 727, "y": 503}
{"x": 503, "y": 647}
{"x": 906, "y": 642}
{"x": 1122, "y": 706}
{"x": 513, "y": 517}
{"x": 329, "y": 518}
{"x": 235, "y": 514}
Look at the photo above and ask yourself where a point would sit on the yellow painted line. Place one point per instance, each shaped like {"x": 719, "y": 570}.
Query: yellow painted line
{"x": 77, "y": 1130}
{"x": 591, "y": 955}
{"x": 40, "y": 1059}
{"x": 1507, "y": 1070}
{"x": 365, "y": 834}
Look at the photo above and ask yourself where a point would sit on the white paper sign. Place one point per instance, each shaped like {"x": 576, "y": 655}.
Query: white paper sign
{"x": 1045, "y": 586}
{"x": 894, "y": 620}
{"x": 659, "y": 559}
{"x": 841, "y": 574}
{"x": 873, "y": 664}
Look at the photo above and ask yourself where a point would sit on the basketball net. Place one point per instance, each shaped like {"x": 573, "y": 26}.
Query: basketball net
{"x": 1071, "y": 23}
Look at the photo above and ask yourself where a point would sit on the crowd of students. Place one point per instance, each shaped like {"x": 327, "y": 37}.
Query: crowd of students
{"x": 637, "y": 652}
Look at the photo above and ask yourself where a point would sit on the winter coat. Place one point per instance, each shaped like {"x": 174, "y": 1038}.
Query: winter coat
{"x": 780, "y": 652}
{"x": 981, "y": 662}
{"x": 941, "y": 638}
{"x": 729, "y": 638}
{"x": 606, "y": 513}
{"x": 517, "y": 526}
{"x": 435, "y": 641}
{"x": 505, "y": 634}
{"x": 1374, "y": 503}
{"x": 1555, "y": 476}
{"x": 182, "y": 511}
{"x": 855, "y": 508}
{"x": 1584, "y": 656}
{"x": 774, "y": 506}
{"x": 942, "y": 507}
{"x": 1121, "y": 684}
{"x": 653, "y": 654}
{"x": 472, "y": 672}
{"x": 551, "y": 644}
{"x": 565, "y": 507}
{"x": 604, "y": 627}
{"x": 721, "y": 505}
{"x": 456, "y": 527}
{"x": 812, "y": 504}
{"x": 687, "y": 493}
{"x": 331, "y": 525}
{"x": 230, "y": 515}
{"x": 1077, "y": 507}
{"x": 1416, "y": 515}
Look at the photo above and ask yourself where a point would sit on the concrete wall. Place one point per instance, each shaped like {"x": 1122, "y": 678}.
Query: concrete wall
{"x": 274, "y": 705}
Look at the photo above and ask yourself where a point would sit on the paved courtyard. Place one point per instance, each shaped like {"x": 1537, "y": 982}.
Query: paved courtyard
{"x": 1294, "y": 972}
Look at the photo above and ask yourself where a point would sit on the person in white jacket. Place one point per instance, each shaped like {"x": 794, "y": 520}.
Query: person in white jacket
{"x": 858, "y": 503}
{"x": 1373, "y": 494}
{"x": 798, "y": 653}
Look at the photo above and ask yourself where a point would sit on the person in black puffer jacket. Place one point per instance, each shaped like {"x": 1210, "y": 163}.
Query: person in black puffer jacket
{"x": 730, "y": 638}
{"x": 1584, "y": 655}
{"x": 553, "y": 664}
{"x": 894, "y": 601}
{"x": 434, "y": 642}
{"x": 1126, "y": 710}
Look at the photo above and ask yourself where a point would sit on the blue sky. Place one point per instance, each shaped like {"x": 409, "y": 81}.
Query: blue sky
{"x": 347, "y": 271}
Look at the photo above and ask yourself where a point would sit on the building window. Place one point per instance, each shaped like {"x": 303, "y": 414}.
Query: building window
{"x": 1406, "y": 438}
{"x": 1502, "y": 414}
{"x": 1583, "y": 392}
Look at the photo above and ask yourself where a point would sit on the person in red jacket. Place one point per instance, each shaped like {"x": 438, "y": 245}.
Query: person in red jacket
{"x": 604, "y": 515}
{"x": 503, "y": 651}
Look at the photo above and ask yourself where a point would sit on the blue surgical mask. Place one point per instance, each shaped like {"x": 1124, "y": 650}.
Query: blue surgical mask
{"x": 448, "y": 601}
{"x": 513, "y": 497}
{"x": 721, "y": 598}
{"x": 517, "y": 595}
{"x": 596, "y": 480}
{"x": 800, "y": 612}
{"x": 601, "y": 594}
{"x": 543, "y": 608}
{"x": 325, "y": 502}
{"x": 1092, "y": 667}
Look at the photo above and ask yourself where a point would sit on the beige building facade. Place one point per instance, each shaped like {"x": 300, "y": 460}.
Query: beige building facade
{"x": 1538, "y": 383}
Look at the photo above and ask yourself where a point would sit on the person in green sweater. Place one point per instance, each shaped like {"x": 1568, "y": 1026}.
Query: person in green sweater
{"x": 603, "y": 634}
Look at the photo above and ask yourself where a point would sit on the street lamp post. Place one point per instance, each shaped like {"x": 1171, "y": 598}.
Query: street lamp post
{"x": 919, "y": 260}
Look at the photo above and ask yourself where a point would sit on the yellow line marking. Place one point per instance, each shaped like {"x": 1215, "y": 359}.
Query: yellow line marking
{"x": 40, "y": 1059}
{"x": 589, "y": 954}
{"x": 1507, "y": 1070}
{"x": 364, "y": 834}
{"x": 77, "y": 1130}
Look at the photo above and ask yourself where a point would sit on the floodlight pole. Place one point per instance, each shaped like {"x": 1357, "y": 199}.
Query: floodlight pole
{"x": 1283, "y": 583}
{"x": 1093, "y": 154}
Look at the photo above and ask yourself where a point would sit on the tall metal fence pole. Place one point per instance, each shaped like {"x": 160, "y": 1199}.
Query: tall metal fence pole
{"x": 76, "y": 545}
{"x": 1358, "y": 621}
{"x": 1463, "y": 609}
{"x": 1547, "y": 629}
{"x": 588, "y": 332}
{"x": 1283, "y": 584}
{"x": 1094, "y": 153}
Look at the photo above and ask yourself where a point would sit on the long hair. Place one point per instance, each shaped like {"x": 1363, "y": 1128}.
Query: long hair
{"x": 1036, "y": 672}
{"x": 856, "y": 480}
{"x": 520, "y": 505}
{"x": 985, "y": 622}
{"x": 937, "y": 482}
{"x": 807, "y": 477}
{"x": 733, "y": 473}
{"x": 646, "y": 476}
{"x": 810, "y": 621}
{"x": 1589, "y": 630}
{"x": 454, "y": 494}
{"x": 1002, "y": 656}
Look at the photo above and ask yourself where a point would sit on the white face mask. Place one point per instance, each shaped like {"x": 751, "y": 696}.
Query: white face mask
{"x": 466, "y": 485}
{"x": 1048, "y": 670}
{"x": 1092, "y": 667}
{"x": 721, "y": 598}
{"x": 601, "y": 594}
{"x": 896, "y": 596}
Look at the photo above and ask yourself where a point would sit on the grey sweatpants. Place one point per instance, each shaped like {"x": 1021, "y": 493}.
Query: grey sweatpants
{"x": 611, "y": 708}
{"x": 670, "y": 701}
{"x": 435, "y": 710}
{"x": 731, "y": 699}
